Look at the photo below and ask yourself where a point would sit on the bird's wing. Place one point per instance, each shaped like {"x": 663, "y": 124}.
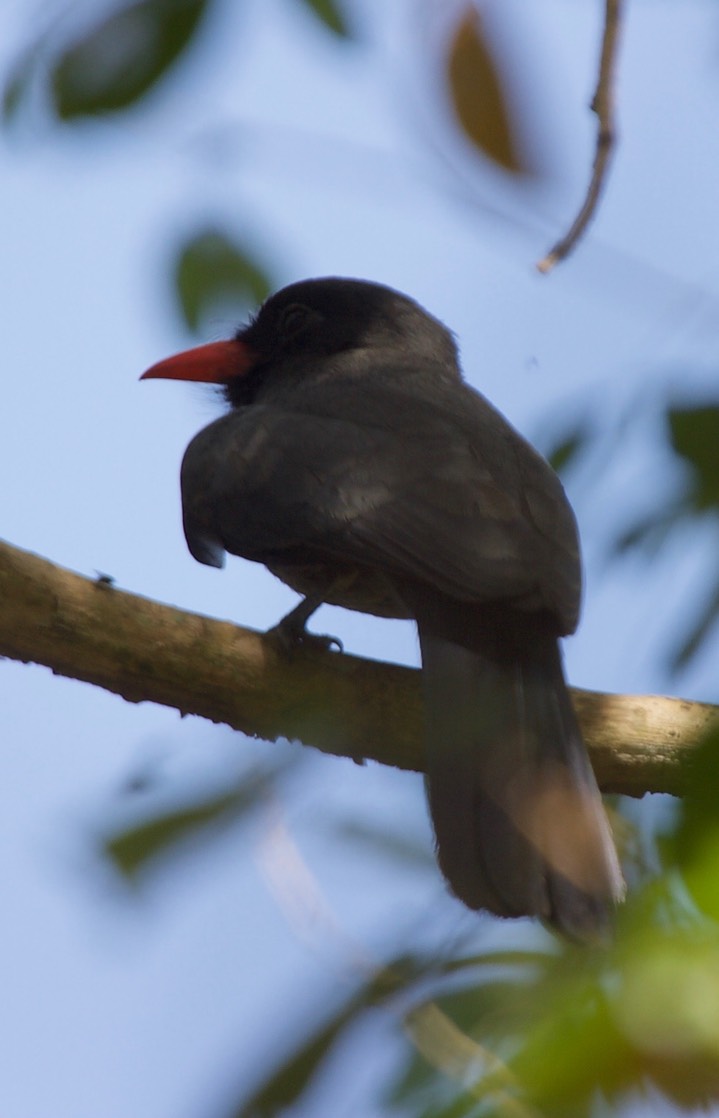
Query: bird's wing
{"x": 450, "y": 497}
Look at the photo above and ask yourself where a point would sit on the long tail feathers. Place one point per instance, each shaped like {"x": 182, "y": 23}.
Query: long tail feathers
{"x": 518, "y": 817}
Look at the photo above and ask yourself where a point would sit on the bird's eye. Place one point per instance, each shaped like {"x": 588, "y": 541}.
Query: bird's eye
{"x": 293, "y": 319}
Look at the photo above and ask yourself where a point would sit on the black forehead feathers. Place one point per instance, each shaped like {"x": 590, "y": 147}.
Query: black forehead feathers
{"x": 368, "y": 307}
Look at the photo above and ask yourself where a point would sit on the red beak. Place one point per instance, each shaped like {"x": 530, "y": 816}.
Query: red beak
{"x": 215, "y": 363}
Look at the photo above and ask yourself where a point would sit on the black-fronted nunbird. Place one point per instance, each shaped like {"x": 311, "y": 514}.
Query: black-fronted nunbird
{"x": 360, "y": 468}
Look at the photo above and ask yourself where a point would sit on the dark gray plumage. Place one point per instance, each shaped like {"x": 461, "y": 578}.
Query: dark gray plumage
{"x": 357, "y": 465}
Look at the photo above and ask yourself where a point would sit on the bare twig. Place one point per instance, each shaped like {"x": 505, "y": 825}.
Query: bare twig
{"x": 87, "y": 629}
{"x": 604, "y": 107}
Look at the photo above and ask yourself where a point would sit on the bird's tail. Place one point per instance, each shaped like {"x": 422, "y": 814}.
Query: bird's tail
{"x": 517, "y": 813}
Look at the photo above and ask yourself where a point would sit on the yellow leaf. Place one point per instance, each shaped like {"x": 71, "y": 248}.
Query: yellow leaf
{"x": 478, "y": 93}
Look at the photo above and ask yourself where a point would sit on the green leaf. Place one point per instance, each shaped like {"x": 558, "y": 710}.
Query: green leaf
{"x": 213, "y": 272}
{"x": 697, "y": 830}
{"x": 570, "y": 446}
{"x": 665, "y": 1008}
{"x": 694, "y": 435}
{"x": 134, "y": 848}
{"x": 573, "y": 1049}
{"x": 697, "y": 635}
{"x": 120, "y": 59}
{"x": 331, "y": 15}
{"x": 17, "y": 85}
{"x": 649, "y": 532}
{"x": 486, "y": 1012}
{"x": 287, "y": 1082}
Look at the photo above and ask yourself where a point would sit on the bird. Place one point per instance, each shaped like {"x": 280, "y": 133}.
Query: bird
{"x": 357, "y": 464}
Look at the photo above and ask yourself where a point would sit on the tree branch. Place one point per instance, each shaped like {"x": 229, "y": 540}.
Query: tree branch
{"x": 603, "y": 106}
{"x": 145, "y": 651}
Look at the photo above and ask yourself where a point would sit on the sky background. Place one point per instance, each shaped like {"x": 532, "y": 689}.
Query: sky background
{"x": 329, "y": 160}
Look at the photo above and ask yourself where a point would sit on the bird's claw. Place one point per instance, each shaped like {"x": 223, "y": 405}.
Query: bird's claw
{"x": 322, "y": 642}
{"x": 288, "y": 637}
{"x": 290, "y": 633}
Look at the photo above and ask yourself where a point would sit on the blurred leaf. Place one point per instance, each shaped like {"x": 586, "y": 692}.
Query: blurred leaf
{"x": 637, "y": 1015}
{"x": 588, "y": 1025}
{"x": 120, "y": 59}
{"x": 649, "y": 532}
{"x": 697, "y": 635}
{"x": 565, "y": 1033}
{"x": 18, "y": 83}
{"x": 134, "y": 848}
{"x": 572, "y": 1048}
{"x": 388, "y": 845}
{"x": 286, "y": 1083}
{"x": 469, "y": 1047}
{"x": 480, "y": 102}
{"x": 213, "y": 272}
{"x": 666, "y": 1013}
{"x": 331, "y": 15}
{"x": 570, "y": 447}
{"x": 696, "y": 840}
{"x": 538, "y": 960}
{"x": 695, "y": 437}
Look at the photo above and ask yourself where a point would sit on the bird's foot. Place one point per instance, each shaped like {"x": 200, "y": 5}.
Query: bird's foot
{"x": 290, "y": 633}
{"x": 288, "y": 639}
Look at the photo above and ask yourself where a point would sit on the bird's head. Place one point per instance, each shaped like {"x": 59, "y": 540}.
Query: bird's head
{"x": 308, "y": 321}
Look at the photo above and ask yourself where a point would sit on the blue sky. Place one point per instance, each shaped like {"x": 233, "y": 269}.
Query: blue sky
{"x": 332, "y": 162}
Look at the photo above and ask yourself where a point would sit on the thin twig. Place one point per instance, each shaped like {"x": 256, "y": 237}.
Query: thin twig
{"x": 603, "y": 105}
